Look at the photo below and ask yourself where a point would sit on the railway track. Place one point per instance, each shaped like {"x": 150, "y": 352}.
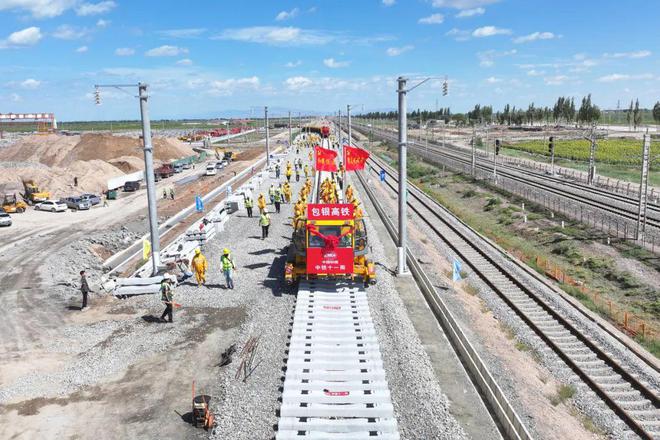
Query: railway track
{"x": 633, "y": 401}
{"x": 612, "y": 203}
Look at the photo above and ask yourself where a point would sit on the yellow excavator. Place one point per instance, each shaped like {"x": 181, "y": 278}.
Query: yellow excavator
{"x": 32, "y": 193}
{"x": 10, "y": 204}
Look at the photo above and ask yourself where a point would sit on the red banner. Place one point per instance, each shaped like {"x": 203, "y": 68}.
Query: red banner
{"x": 329, "y": 211}
{"x": 355, "y": 158}
{"x": 325, "y": 159}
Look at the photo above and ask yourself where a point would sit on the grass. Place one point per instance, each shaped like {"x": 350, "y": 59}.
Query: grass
{"x": 521, "y": 346}
{"x": 586, "y": 422}
{"x": 564, "y": 392}
{"x": 470, "y": 290}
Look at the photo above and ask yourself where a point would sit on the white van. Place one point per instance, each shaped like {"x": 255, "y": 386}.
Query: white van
{"x": 210, "y": 170}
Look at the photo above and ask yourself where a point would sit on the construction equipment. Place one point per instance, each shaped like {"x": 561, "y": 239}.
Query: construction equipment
{"x": 10, "y": 204}
{"x": 32, "y": 193}
{"x": 201, "y": 413}
{"x": 329, "y": 244}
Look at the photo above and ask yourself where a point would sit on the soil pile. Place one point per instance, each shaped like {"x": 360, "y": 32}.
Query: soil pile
{"x": 53, "y": 160}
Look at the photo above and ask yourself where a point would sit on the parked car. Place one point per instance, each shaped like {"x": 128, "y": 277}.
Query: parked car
{"x": 131, "y": 186}
{"x": 5, "y": 219}
{"x": 187, "y": 166}
{"x": 210, "y": 170}
{"x": 224, "y": 162}
{"x": 91, "y": 198}
{"x": 52, "y": 206}
{"x": 77, "y": 203}
{"x": 219, "y": 165}
{"x": 178, "y": 168}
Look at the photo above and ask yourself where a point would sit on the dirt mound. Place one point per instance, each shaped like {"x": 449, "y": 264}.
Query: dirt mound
{"x": 128, "y": 164}
{"x": 58, "y": 150}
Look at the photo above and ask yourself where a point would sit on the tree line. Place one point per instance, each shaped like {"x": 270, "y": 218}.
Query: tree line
{"x": 564, "y": 111}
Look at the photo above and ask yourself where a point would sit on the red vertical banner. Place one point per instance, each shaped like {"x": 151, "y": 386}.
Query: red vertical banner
{"x": 355, "y": 158}
{"x": 325, "y": 159}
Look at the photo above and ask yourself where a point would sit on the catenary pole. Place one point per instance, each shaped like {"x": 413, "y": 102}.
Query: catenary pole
{"x": 290, "y": 138}
{"x": 267, "y": 137}
{"x": 403, "y": 176}
{"x": 149, "y": 175}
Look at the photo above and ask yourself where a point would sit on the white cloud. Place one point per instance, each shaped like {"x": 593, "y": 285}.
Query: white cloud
{"x": 556, "y": 80}
{"x": 489, "y": 31}
{"x": 184, "y": 62}
{"x": 287, "y": 15}
{"x": 30, "y": 84}
{"x": 396, "y": 51}
{"x": 432, "y": 19}
{"x": 487, "y": 58}
{"x": 38, "y": 8}
{"x": 534, "y": 72}
{"x": 166, "y": 51}
{"x": 101, "y": 23}
{"x": 535, "y": 36}
{"x": 471, "y": 12}
{"x": 26, "y": 37}
{"x": 86, "y": 9}
{"x": 579, "y": 56}
{"x": 334, "y": 64}
{"x": 124, "y": 51}
{"x": 458, "y": 34}
{"x": 462, "y": 4}
{"x": 624, "y": 77}
{"x": 293, "y": 63}
{"x": 297, "y": 82}
{"x": 276, "y": 36}
{"x": 82, "y": 49}
{"x": 493, "y": 80}
{"x": 227, "y": 87}
{"x": 15, "y": 97}
{"x": 66, "y": 32}
{"x": 636, "y": 54}
{"x": 182, "y": 33}
{"x": 389, "y": 2}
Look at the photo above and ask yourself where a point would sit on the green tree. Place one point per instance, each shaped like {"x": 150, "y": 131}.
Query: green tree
{"x": 629, "y": 114}
{"x": 637, "y": 115}
{"x": 656, "y": 113}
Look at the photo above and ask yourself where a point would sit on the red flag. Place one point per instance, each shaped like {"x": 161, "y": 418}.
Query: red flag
{"x": 325, "y": 159}
{"x": 355, "y": 158}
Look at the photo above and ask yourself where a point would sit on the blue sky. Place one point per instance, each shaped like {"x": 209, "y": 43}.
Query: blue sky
{"x": 205, "y": 57}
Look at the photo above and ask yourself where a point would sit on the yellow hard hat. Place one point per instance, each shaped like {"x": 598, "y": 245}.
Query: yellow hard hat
{"x": 225, "y": 250}
{"x": 198, "y": 251}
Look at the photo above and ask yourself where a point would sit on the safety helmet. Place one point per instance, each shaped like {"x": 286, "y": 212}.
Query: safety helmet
{"x": 225, "y": 251}
{"x": 198, "y": 251}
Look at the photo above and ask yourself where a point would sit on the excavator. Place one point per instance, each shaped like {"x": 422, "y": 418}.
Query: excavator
{"x": 32, "y": 193}
{"x": 10, "y": 204}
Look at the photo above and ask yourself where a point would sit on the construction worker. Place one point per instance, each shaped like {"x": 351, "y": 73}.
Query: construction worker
{"x": 264, "y": 222}
{"x": 277, "y": 199}
{"x": 261, "y": 203}
{"x": 306, "y": 171}
{"x": 271, "y": 193}
{"x": 277, "y": 171}
{"x": 199, "y": 266}
{"x": 167, "y": 297}
{"x": 172, "y": 193}
{"x": 84, "y": 289}
{"x": 165, "y": 193}
{"x": 287, "y": 193}
{"x": 228, "y": 267}
{"x": 248, "y": 206}
{"x": 297, "y": 174}
{"x": 288, "y": 173}
{"x": 349, "y": 194}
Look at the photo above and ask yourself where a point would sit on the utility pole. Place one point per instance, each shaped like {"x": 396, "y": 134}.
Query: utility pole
{"x": 340, "y": 142}
{"x": 403, "y": 176}
{"x": 149, "y": 176}
{"x": 290, "y": 138}
{"x": 474, "y": 156}
{"x": 267, "y": 137}
{"x": 643, "y": 188}
{"x": 592, "y": 157}
{"x": 348, "y": 116}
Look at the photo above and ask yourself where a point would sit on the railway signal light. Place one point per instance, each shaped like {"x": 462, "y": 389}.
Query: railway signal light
{"x": 551, "y": 145}
{"x": 497, "y": 147}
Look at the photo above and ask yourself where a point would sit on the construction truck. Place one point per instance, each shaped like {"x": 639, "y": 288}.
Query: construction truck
{"x": 11, "y": 204}
{"x": 32, "y": 193}
{"x": 222, "y": 154}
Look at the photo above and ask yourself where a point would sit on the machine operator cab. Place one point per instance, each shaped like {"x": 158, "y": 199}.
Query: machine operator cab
{"x": 329, "y": 244}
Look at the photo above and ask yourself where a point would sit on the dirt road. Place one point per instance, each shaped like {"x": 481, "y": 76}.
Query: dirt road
{"x": 110, "y": 371}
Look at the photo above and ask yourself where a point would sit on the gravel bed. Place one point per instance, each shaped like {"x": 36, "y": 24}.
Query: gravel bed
{"x": 585, "y": 399}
